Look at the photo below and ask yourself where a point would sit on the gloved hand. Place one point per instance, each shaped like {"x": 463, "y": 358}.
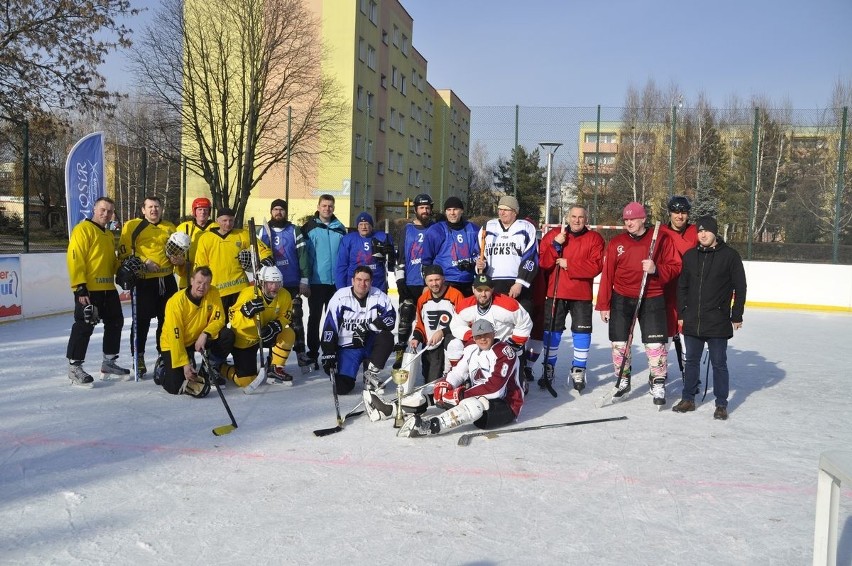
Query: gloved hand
{"x": 268, "y": 262}
{"x": 329, "y": 363}
{"x": 359, "y": 335}
{"x": 441, "y": 387}
{"x": 465, "y": 265}
{"x": 270, "y": 331}
{"x": 452, "y": 397}
{"x": 252, "y": 307}
{"x": 244, "y": 258}
{"x": 91, "y": 315}
{"x": 81, "y": 291}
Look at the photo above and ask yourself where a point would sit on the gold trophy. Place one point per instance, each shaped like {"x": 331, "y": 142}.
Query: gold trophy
{"x": 400, "y": 376}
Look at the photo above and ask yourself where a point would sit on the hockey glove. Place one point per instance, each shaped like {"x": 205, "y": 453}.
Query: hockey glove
{"x": 253, "y": 307}
{"x": 452, "y": 397}
{"x": 329, "y": 363}
{"x": 268, "y": 262}
{"x": 81, "y": 291}
{"x": 381, "y": 250}
{"x": 441, "y": 387}
{"x": 465, "y": 265}
{"x": 359, "y": 335}
{"x": 269, "y": 332}
{"x": 91, "y": 315}
{"x": 244, "y": 258}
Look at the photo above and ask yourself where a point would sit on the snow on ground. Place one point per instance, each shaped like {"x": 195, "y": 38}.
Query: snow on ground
{"x": 127, "y": 474}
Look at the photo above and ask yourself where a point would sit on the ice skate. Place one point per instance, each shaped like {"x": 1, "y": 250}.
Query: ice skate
{"x": 78, "y": 376}
{"x": 377, "y": 408}
{"x": 306, "y": 364}
{"x": 280, "y": 376}
{"x": 416, "y": 426}
{"x": 110, "y": 367}
{"x": 578, "y": 378}
{"x": 658, "y": 390}
{"x": 371, "y": 378}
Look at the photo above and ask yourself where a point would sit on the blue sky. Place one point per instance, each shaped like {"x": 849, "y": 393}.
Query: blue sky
{"x": 580, "y": 54}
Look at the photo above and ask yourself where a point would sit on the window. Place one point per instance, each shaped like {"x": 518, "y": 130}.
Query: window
{"x": 400, "y": 163}
{"x": 394, "y": 120}
{"x": 395, "y": 77}
{"x": 359, "y": 98}
{"x": 401, "y": 123}
{"x": 370, "y": 156}
{"x": 391, "y": 157}
{"x": 362, "y": 49}
{"x": 359, "y": 146}
{"x": 371, "y": 104}
{"x": 384, "y": 37}
{"x": 403, "y": 86}
{"x": 363, "y": 6}
{"x": 374, "y": 12}
{"x": 382, "y": 124}
{"x": 395, "y": 36}
{"x": 410, "y": 176}
{"x": 371, "y": 57}
{"x": 380, "y": 168}
{"x": 605, "y": 137}
{"x": 404, "y": 47}
{"x": 384, "y": 82}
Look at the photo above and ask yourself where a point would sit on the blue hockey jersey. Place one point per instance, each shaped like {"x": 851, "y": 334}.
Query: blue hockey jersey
{"x": 356, "y": 250}
{"x": 455, "y": 250}
{"x": 408, "y": 266}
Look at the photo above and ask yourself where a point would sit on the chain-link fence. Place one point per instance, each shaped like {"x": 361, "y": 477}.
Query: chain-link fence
{"x": 777, "y": 180}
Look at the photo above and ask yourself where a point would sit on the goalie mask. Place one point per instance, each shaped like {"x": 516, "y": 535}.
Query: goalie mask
{"x": 178, "y": 244}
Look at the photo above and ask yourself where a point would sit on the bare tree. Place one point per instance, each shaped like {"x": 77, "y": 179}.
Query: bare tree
{"x": 482, "y": 201}
{"x": 230, "y": 71}
{"x": 50, "y": 51}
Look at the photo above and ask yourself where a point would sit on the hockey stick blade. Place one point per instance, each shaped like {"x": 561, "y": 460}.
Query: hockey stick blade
{"x": 256, "y": 382}
{"x": 223, "y": 430}
{"x": 328, "y": 431}
{"x": 464, "y": 440}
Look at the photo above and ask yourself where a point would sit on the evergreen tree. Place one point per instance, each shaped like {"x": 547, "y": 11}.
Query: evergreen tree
{"x": 532, "y": 181}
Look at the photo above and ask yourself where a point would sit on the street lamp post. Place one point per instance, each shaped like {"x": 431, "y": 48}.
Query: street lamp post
{"x": 551, "y": 148}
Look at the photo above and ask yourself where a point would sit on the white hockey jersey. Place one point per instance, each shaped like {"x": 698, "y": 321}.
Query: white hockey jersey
{"x": 491, "y": 373}
{"x": 346, "y": 312}
{"x": 509, "y": 319}
{"x": 511, "y": 253}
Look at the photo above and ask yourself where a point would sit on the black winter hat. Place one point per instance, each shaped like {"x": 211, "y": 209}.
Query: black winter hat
{"x": 708, "y": 224}
{"x": 453, "y": 202}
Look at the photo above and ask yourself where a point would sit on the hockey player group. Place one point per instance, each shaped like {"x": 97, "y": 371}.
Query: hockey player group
{"x": 478, "y": 305}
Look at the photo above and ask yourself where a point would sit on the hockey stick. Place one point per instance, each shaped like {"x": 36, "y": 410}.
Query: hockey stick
{"x": 545, "y": 383}
{"x": 326, "y": 431}
{"x": 261, "y": 374}
{"x": 134, "y": 318}
{"x": 465, "y": 439}
{"x": 679, "y": 352}
{"x": 213, "y": 376}
{"x": 610, "y": 395}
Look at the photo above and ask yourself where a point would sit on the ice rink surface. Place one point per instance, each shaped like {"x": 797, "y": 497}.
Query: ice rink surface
{"x": 126, "y": 474}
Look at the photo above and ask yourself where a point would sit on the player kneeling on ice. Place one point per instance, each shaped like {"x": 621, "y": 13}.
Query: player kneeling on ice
{"x": 267, "y": 307}
{"x": 357, "y": 331}
{"x": 194, "y": 322}
{"x": 483, "y": 388}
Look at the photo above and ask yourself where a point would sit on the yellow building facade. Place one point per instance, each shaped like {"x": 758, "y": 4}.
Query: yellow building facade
{"x": 400, "y": 136}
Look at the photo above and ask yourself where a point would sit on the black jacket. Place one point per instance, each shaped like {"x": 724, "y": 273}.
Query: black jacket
{"x": 709, "y": 278}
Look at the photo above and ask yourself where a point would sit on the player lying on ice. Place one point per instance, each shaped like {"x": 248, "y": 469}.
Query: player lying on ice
{"x": 483, "y": 388}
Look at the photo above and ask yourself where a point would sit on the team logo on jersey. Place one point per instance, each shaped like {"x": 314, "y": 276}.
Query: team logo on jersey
{"x": 620, "y": 250}
{"x": 438, "y": 319}
{"x": 509, "y": 352}
{"x": 327, "y": 336}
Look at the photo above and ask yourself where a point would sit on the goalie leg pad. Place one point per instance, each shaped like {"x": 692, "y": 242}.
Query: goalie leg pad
{"x": 467, "y": 411}
{"x": 406, "y": 320}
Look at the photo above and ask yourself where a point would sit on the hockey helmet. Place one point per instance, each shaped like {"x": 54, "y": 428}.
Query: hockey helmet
{"x": 178, "y": 244}
{"x": 423, "y": 200}
{"x": 201, "y": 202}
{"x": 679, "y": 203}
{"x": 270, "y": 274}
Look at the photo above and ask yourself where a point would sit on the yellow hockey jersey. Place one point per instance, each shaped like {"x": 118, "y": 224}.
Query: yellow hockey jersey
{"x": 194, "y": 231}
{"x": 245, "y": 330}
{"x": 221, "y": 254}
{"x": 185, "y": 321}
{"x": 150, "y": 244}
{"x": 91, "y": 257}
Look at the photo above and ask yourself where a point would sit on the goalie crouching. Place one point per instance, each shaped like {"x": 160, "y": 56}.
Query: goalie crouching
{"x": 269, "y": 307}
